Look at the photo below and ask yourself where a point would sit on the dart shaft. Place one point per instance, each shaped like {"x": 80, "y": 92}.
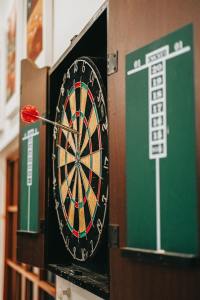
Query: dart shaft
{"x": 59, "y": 125}
{"x": 54, "y": 123}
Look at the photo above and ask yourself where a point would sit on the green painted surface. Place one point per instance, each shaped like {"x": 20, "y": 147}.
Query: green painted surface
{"x": 29, "y": 180}
{"x": 140, "y": 170}
{"x": 178, "y": 191}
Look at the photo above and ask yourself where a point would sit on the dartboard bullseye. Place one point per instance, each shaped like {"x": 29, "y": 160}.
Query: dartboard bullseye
{"x": 80, "y": 161}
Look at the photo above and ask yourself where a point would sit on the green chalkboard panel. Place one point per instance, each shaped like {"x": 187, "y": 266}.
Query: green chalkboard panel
{"x": 161, "y": 184}
{"x": 29, "y": 179}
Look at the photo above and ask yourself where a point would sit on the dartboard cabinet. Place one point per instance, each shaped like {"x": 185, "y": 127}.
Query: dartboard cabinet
{"x": 64, "y": 175}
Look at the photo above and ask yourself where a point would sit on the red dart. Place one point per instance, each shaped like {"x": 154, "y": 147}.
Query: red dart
{"x": 30, "y": 114}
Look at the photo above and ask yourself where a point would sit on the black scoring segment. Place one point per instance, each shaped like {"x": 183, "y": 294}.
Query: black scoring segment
{"x": 95, "y": 141}
{"x": 86, "y": 151}
{"x": 88, "y": 109}
{"x": 69, "y": 167}
{"x": 87, "y": 213}
{"x": 76, "y": 219}
{"x": 86, "y": 171}
{"x": 62, "y": 174}
{"x": 84, "y": 132}
{"x": 63, "y": 141}
{"x": 67, "y": 203}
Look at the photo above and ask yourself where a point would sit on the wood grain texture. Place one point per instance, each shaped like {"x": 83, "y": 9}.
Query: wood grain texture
{"x": 132, "y": 25}
{"x": 30, "y": 248}
{"x": 44, "y": 285}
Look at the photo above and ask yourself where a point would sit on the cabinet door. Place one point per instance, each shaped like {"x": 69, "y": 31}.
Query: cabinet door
{"x": 141, "y": 23}
{"x": 30, "y": 234}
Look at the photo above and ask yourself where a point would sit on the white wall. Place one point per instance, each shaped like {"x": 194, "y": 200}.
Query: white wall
{"x": 9, "y": 117}
{"x": 70, "y": 17}
{"x": 66, "y": 290}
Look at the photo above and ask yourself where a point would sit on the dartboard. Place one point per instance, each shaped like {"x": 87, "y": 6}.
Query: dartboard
{"x": 80, "y": 160}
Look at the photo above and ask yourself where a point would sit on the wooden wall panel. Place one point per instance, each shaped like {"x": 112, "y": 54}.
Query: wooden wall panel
{"x": 133, "y": 24}
{"x": 30, "y": 247}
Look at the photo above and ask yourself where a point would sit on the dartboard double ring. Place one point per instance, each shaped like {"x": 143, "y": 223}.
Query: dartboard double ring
{"x": 80, "y": 161}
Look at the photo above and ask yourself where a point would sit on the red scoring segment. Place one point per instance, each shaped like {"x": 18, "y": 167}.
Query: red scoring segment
{"x": 29, "y": 114}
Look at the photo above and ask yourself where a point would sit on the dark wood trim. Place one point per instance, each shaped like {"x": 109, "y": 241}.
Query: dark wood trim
{"x": 48, "y": 288}
{"x": 34, "y": 79}
{"x": 12, "y": 209}
{"x": 14, "y": 271}
{"x": 10, "y": 222}
{"x": 142, "y": 22}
